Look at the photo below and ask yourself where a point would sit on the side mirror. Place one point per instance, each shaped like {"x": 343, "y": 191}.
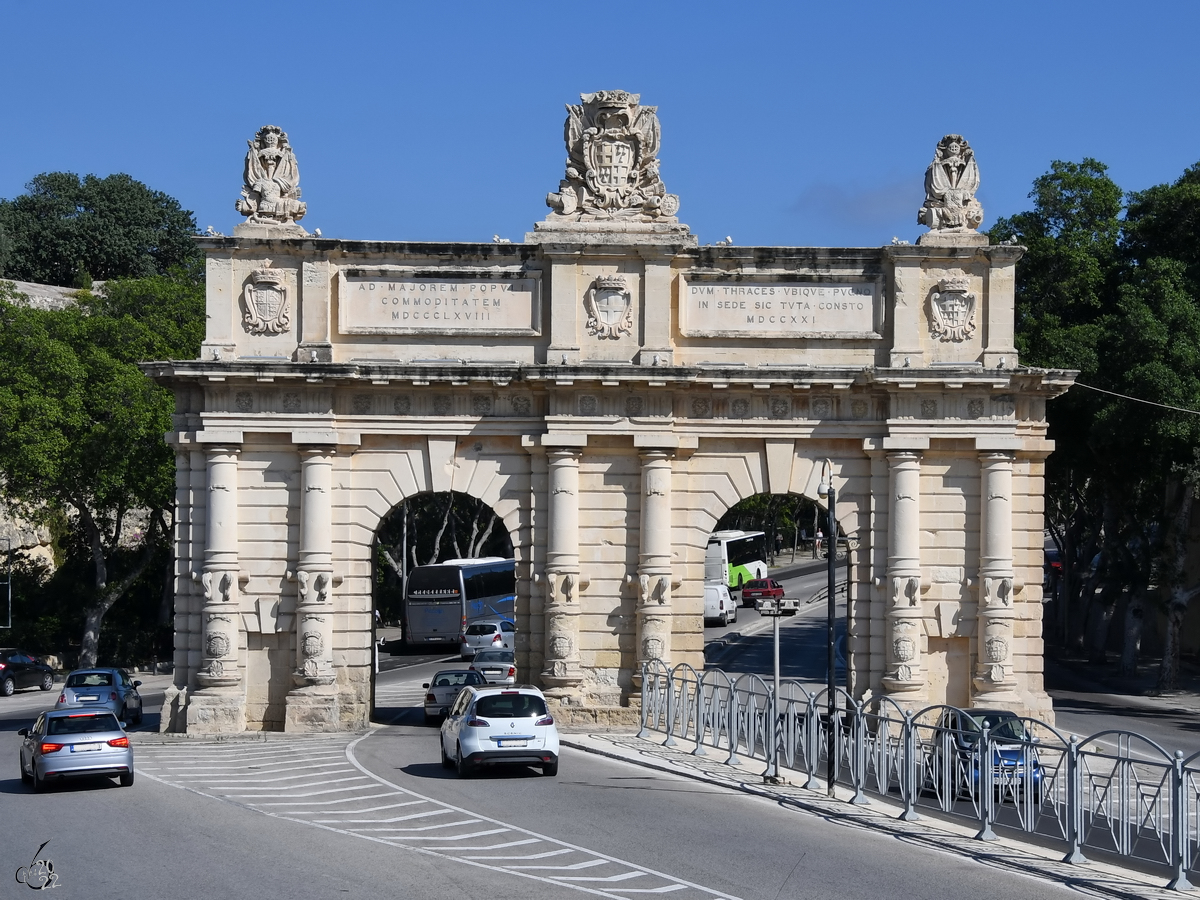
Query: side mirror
{"x": 124, "y": 726}
{"x": 425, "y": 685}
{"x": 23, "y": 732}
{"x": 137, "y": 684}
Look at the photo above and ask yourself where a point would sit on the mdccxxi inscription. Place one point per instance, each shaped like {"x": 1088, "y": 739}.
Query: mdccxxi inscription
{"x": 777, "y": 309}
{"x": 408, "y": 304}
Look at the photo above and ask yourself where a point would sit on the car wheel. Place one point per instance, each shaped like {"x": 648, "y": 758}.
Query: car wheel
{"x": 127, "y": 779}
{"x": 464, "y": 768}
{"x": 430, "y": 720}
{"x": 447, "y": 762}
{"x": 47, "y": 682}
{"x": 121, "y": 715}
{"x": 734, "y": 619}
{"x": 7, "y": 687}
{"x": 26, "y": 778}
{"x": 39, "y": 783}
{"x": 137, "y": 719}
{"x": 550, "y": 769}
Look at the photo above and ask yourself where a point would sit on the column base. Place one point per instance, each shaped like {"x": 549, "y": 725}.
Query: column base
{"x": 216, "y": 711}
{"x": 312, "y": 709}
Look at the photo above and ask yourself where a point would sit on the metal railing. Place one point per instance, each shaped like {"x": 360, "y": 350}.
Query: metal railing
{"x": 1114, "y": 794}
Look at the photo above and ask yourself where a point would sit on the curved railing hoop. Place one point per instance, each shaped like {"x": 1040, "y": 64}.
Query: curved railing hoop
{"x": 1168, "y": 757}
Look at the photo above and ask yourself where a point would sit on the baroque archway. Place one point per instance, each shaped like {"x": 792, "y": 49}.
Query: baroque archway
{"x": 610, "y": 388}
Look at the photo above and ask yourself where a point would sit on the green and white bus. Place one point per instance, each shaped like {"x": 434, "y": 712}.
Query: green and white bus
{"x": 735, "y": 557}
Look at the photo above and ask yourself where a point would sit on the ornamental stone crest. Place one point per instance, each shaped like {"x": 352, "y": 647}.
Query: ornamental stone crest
{"x": 266, "y": 300}
{"x": 609, "y": 307}
{"x": 311, "y": 644}
{"x": 271, "y": 191}
{"x": 612, "y": 162}
{"x": 216, "y": 644}
{"x": 950, "y": 185}
{"x": 560, "y": 646}
{"x": 952, "y": 310}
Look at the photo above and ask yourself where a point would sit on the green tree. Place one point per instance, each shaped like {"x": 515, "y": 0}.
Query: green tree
{"x": 81, "y": 427}
{"x": 67, "y": 231}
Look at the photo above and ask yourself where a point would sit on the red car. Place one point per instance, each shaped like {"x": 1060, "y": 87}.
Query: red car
{"x": 766, "y": 590}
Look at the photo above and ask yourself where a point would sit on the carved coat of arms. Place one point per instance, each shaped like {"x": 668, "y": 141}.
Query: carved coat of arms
{"x": 609, "y": 307}
{"x": 612, "y": 162}
{"x": 952, "y": 310}
{"x": 266, "y": 299}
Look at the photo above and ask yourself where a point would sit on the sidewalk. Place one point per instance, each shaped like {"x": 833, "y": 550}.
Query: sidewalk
{"x": 1096, "y": 879}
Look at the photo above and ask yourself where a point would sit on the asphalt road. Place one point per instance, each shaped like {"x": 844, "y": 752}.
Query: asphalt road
{"x": 318, "y": 816}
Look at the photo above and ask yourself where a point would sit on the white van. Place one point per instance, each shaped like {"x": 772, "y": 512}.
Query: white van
{"x": 719, "y": 605}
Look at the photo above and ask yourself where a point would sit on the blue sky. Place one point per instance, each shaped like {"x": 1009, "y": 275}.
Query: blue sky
{"x": 783, "y": 123}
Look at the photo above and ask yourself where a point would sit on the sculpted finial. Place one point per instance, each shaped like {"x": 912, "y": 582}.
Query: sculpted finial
{"x": 271, "y": 191}
{"x": 950, "y": 209}
{"x": 612, "y": 163}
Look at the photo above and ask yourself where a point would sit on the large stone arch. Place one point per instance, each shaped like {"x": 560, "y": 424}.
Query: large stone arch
{"x": 609, "y": 387}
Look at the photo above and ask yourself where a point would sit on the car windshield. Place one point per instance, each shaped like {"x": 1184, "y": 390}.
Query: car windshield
{"x": 494, "y": 656}
{"x": 481, "y": 628}
{"x": 82, "y": 724}
{"x": 518, "y": 706}
{"x": 89, "y": 679}
{"x": 1001, "y": 726}
{"x": 456, "y": 679}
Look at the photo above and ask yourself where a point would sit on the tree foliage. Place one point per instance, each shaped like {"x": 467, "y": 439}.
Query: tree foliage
{"x": 66, "y": 230}
{"x": 1110, "y": 285}
{"x": 81, "y": 427}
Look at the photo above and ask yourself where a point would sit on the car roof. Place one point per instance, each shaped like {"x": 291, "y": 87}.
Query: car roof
{"x": 93, "y": 669}
{"x": 451, "y": 672}
{"x": 78, "y": 711}
{"x": 493, "y": 617}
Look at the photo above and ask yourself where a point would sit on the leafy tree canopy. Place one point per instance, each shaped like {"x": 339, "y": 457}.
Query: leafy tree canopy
{"x": 67, "y": 231}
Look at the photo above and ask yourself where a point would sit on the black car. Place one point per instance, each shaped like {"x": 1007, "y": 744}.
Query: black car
{"x": 20, "y": 670}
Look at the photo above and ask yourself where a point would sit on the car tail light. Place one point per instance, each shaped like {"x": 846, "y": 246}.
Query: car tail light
{"x": 545, "y": 720}
{"x": 471, "y": 668}
{"x": 62, "y": 698}
{"x": 1, "y": 667}
{"x": 497, "y": 639}
{"x": 51, "y": 748}
{"x": 478, "y": 723}
{"x": 112, "y": 695}
{"x": 429, "y": 698}
{"x": 119, "y": 742}
{"x": 512, "y": 671}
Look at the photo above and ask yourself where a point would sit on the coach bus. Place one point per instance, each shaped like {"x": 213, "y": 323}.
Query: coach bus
{"x": 439, "y": 600}
{"x": 735, "y": 557}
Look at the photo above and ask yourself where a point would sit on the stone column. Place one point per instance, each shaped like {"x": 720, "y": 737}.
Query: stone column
{"x": 562, "y": 675}
{"x": 219, "y": 704}
{"x": 312, "y": 704}
{"x": 994, "y": 680}
{"x": 904, "y": 613}
{"x": 654, "y": 561}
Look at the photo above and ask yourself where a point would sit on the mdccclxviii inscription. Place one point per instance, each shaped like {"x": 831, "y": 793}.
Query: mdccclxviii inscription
{"x": 407, "y": 304}
{"x": 779, "y": 309}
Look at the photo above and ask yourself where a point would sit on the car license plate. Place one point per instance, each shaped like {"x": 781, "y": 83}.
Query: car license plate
{"x": 80, "y": 748}
{"x": 513, "y": 742}
{"x": 83, "y": 699}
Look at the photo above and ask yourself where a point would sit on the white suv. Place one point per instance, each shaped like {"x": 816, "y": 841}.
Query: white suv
{"x": 507, "y": 724}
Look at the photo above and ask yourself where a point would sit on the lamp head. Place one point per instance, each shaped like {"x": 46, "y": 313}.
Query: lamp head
{"x": 823, "y": 490}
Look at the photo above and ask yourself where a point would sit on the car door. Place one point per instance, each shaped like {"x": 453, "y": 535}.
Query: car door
{"x": 32, "y": 740}
{"x": 454, "y": 720}
{"x": 129, "y": 690}
{"x": 508, "y": 632}
{"x": 24, "y": 672}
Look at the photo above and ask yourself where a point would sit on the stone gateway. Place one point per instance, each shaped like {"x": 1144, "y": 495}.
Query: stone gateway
{"x": 609, "y": 388}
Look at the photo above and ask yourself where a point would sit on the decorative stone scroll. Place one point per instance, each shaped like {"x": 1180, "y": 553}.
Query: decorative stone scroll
{"x": 271, "y": 192}
{"x": 609, "y": 307}
{"x": 612, "y": 162}
{"x": 266, "y": 300}
{"x": 952, "y": 310}
{"x": 950, "y": 185}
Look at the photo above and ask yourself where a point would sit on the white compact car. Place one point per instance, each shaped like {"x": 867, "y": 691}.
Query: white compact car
{"x": 499, "y": 725}
{"x": 719, "y": 605}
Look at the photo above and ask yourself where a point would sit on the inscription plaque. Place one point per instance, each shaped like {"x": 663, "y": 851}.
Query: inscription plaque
{"x": 436, "y": 303}
{"x": 779, "y": 309}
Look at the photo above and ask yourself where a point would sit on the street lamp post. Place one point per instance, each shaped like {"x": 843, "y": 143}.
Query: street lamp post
{"x": 827, "y": 490}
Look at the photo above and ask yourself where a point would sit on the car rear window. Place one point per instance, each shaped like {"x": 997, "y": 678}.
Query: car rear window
{"x": 89, "y": 679}
{"x": 82, "y": 724}
{"x": 495, "y": 656}
{"x": 518, "y": 706}
{"x": 756, "y": 583}
{"x": 481, "y": 628}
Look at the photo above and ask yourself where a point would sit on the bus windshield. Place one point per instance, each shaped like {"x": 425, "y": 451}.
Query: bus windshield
{"x": 434, "y": 584}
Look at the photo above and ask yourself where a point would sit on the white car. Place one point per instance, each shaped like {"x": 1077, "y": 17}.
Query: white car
{"x": 719, "y": 605}
{"x": 488, "y": 633}
{"x": 442, "y": 690}
{"x": 501, "y": 725}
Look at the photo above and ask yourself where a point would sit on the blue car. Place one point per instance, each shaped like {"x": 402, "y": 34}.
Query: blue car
{"x": 1015, "y": 765}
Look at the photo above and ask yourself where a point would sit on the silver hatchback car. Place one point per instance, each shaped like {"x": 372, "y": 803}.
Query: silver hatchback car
{"x": 487, "y": 633}
{"x": 110, "y": 689}
{"x": 442, "y": 690}
{"x": 68, "y": 743}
